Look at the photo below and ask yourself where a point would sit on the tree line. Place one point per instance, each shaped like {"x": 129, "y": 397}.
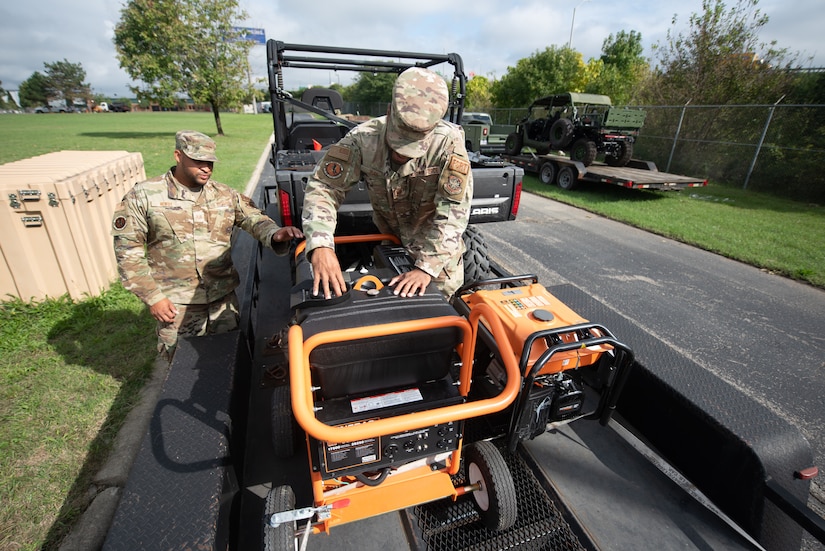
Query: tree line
{"x": 718, "y": 60}
{"x": 191, "y": 47}
{"x": 62, "y": 81}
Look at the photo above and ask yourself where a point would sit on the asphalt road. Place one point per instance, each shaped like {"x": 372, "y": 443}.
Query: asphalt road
{"x": 760, "y": 332}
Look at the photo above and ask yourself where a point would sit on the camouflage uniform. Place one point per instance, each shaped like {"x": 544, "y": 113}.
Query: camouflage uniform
{"x": 173, "y": 242}
{"x": 425, "y": 201}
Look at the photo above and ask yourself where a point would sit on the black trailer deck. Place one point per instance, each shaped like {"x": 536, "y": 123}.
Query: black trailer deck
{"x": 638, "y": 174}
{"x": 580, "y": 487}
{"x": 207, "y": 461}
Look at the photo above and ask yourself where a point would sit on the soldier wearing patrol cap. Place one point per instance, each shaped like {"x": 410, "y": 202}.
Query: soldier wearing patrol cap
{"x": 416, "y": 169}
{"x": 172, "y": 243}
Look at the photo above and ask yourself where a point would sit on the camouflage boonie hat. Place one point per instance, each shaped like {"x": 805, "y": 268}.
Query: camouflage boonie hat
{"x": 419, "y": 100}
{"x": 195, "y": 145}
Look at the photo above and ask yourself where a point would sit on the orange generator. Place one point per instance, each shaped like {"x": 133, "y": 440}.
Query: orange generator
{"x": 383, "y": 387}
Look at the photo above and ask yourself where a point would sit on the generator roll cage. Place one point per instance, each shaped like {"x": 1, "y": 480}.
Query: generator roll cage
{"x": 280, "y": 56}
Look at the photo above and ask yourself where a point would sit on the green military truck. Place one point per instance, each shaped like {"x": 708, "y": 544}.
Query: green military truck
{"x": 582, "y": 125}
{"x": 482, "y": 135}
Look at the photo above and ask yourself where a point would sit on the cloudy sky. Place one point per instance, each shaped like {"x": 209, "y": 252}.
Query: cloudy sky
{"x": 490, "y": 35}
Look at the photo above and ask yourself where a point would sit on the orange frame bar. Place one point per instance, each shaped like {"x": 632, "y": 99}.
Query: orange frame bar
{"x": 301, "y": 391}
{"x": 353, "y": 239}
{"x": 421, "y": 484}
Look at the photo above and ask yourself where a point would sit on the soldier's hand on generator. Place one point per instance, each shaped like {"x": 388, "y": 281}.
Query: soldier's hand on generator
{"x": 410, "y": 283}
{"x": 326, "y": 272}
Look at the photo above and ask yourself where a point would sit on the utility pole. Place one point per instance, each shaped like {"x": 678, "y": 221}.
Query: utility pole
{"x": 572, "y": 22}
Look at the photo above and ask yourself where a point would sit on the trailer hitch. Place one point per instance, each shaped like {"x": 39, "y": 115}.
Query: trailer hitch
{"x": 324, "y": 512}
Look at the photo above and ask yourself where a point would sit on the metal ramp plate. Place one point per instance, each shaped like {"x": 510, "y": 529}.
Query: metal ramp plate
{"x": 453, "y": 526}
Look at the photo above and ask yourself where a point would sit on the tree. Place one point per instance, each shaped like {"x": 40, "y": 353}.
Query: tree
{"x": 369, "y": 89}
{"x": 65, "y": 81}
{"x": 808, "y": 88}
{"x": 551, "y": 71}
{"x": 719, "y": 60}
{"x": 185, "y": 46}
{"x": 5, "y": 99}
{"x": 620, "y": 69}
{"x": 34, "y": 91}
{"x": 479, "y": 94}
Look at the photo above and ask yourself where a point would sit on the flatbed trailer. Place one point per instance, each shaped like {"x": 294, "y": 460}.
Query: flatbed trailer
{"x": 567, "y": 173}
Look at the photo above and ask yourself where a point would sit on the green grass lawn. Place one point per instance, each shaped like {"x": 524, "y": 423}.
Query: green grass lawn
{"x": 778, "y": 235}
{"x": 151, "y": 134}
{"x": 71, "y": 371}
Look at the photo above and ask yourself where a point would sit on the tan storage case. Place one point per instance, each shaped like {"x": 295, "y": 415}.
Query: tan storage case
{"x": 55, "y": 226}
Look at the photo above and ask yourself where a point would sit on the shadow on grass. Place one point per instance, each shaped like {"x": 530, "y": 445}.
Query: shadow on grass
{"x": 128, "y": 135}
{"x": 594, "y": 192}
{"x": 736, "y": 197}
{"x": 114, "y": 342}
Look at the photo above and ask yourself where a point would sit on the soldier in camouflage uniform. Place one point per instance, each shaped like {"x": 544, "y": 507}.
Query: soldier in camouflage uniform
{"x": 172, "y": 243}
{"x": 416, "y": 168}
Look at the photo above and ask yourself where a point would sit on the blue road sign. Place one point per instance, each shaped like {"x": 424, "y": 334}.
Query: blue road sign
{"x": 258, "y": 36}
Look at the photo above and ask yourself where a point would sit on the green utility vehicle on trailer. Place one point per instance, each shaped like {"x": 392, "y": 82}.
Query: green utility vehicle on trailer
{"x": 582, "y": 125}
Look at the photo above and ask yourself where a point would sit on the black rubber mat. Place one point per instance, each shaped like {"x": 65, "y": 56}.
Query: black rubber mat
{"x": 445, "y": 525}
{"x": 720, "y": 429}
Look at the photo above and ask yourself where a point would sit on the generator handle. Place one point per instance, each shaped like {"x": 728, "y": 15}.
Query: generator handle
{"x": 342, "y": 239}
{"x": 543, "y": 334}
{"x": 496, "y": 281}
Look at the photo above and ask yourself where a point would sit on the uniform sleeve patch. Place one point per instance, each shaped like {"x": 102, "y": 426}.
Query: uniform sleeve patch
{"x": 462, "y": 166}
{"x": 339, "y": 152}
{"x": 333, "y": 169}
{"x": 119, "y": 222}
{"x": 453, "y": 185}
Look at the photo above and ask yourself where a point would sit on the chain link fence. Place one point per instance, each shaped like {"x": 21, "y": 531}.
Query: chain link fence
{"x": 778, "y": 149}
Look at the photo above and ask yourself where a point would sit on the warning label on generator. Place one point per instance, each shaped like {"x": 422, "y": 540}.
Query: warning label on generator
{"x": 386, "y": 400}
{"x": 516, "y": 305}
{"x": 349, "y": 454}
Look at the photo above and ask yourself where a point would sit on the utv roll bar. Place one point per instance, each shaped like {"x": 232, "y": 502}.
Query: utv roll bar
{"x": 280, "y": 55}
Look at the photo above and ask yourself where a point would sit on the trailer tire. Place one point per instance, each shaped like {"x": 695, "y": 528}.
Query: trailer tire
{"x": 561, "y": 133}
{"x": 625, "y": 154}
{"x": 282, "y": 538}
{"x": 513, "y": 143}
{"x": 567, "y": 178}
{"x": 476, "y": 258}
{"x": 584, "y": 151}
{"x": 547, "y": 173}
{"x": 282, "y": 423}
{"x": 496, "y": 500}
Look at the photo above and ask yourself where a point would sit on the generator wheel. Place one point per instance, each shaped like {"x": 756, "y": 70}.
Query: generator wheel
{"x": 476, "y": 258}
{"x": 496, "y": 499}
{"x": 282, "y": 538}
{"x": 282, "y": 423}
{"x": 567, "y": 178}
{"x": 547, "y": 173}
{"x": 513, "y": 143}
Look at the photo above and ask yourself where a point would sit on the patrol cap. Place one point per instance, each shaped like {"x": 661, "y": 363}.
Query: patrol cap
{"x": 419, "y": 100}
{"x": 195, "y": 145}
